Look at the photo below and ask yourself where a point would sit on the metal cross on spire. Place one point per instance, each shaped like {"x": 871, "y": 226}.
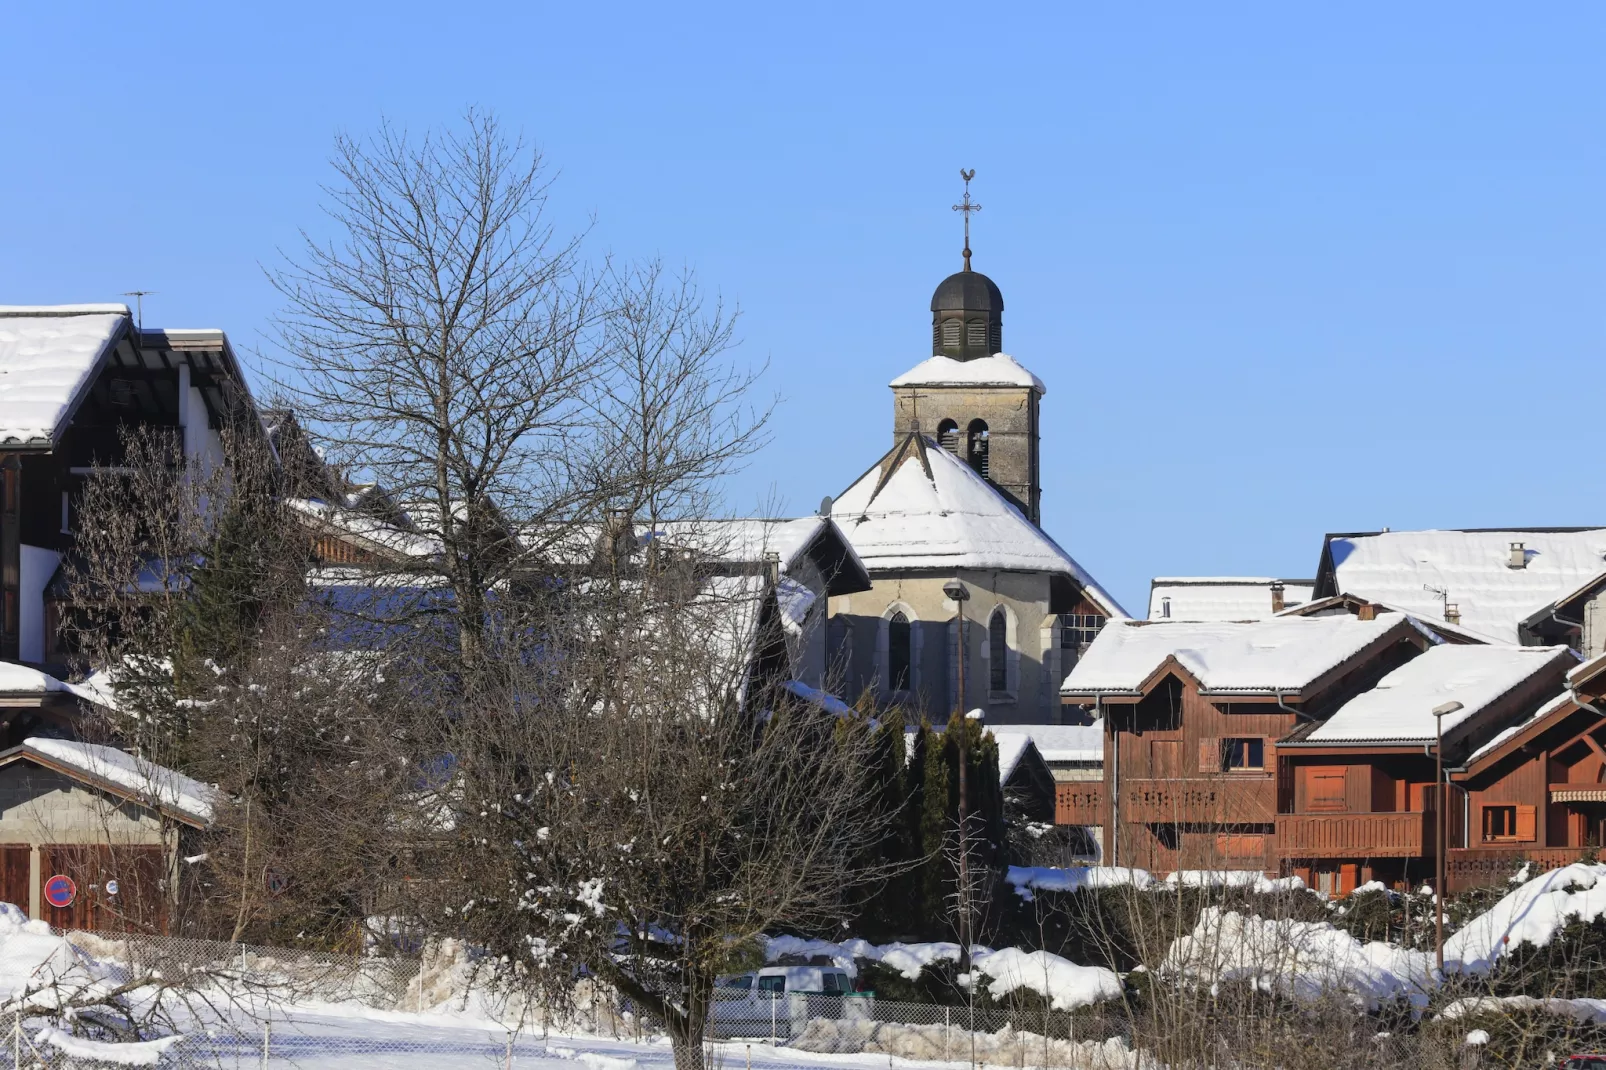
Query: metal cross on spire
{"x": 967, "y": 206}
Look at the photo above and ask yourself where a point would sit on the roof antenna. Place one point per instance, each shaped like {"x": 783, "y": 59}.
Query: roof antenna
{"x": 140, "y": 295}
{"x": 967, "y": 206}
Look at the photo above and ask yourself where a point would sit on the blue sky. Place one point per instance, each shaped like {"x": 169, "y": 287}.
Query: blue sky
{"x": 1284, "y": 271}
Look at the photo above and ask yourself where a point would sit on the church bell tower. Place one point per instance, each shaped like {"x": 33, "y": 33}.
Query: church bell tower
{"x": 974, "y": 399}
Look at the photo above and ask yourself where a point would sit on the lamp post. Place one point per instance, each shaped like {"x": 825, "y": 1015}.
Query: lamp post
{"x": 960, "y": 595}
{"x": 1440, "y": 804}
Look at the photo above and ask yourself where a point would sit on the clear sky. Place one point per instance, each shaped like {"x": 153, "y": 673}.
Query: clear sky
{"x": 1284, "y": 270}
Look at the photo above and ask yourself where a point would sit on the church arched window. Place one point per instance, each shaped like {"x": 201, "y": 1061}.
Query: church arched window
{"x": 951, "y": 331}
{"x": 899, "y": 652}
{"x": 948, "y": 436}
{"x": 998, "y": 651}
{"x": 976, "y": 447}
{"x": 976, "y": 333}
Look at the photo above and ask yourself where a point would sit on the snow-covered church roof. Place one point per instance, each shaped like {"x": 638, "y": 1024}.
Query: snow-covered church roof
{"x": 1000, "y": 369}
{"x": 1422, "y": 571}
{"x": 49, "y": 355}
{"x": 922, "y": 508}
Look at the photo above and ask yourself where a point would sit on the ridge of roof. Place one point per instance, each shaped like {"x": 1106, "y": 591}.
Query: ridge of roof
{"x": 62, "y": 311}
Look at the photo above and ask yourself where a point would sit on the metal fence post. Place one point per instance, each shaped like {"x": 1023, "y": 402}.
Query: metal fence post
{"x": 267, "y": 1042}
{"x": 947, "y": 1031}
{"x": 16, "y": 1042}
{"x": 773, "y": 1002}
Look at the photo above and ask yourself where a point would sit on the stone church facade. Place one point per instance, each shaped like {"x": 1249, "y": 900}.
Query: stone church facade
{"x": 958, "y": 498}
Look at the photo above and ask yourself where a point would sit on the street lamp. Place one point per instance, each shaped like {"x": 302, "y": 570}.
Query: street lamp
{"x": 1441, "y": 803}
{"x": 960, "y": 594}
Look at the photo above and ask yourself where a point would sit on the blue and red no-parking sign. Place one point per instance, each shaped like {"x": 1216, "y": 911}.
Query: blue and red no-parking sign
{"x": 60, "y": 891}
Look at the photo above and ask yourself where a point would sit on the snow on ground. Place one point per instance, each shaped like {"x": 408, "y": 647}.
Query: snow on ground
{"x": 1592, "y": 1011}
{"x": 1059, "y": 980}
{"x": 1062, "y": 982}
{"x": 1029, "y": 879}
{"x": 1298, "y": 959}
{"x": 1534, "y": 912}
{"x": 907, "y": 959}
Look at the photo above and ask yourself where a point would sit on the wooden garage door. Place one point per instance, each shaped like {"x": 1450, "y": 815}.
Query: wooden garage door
{"x": 139, "y": 904}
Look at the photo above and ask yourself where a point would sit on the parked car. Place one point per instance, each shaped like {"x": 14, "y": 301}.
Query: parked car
{"x": 1583, "y": 1062}
{"x": 778, "y": 1001}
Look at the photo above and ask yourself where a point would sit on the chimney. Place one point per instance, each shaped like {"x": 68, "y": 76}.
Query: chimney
{"x": 1366, "y": 611}
{"x": 1277, "y": 603}
{"x": 1519, "y": 556}
{"x": 1452, "y": 610}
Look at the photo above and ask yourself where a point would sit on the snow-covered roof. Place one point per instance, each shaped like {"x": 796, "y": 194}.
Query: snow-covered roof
{"x": 1338, "y": 604}
{"x": 1401, "y": 706}
{"x": 1012, "y": 747}
{"x": 749, "y": 539}
{"x": 1545, "y": 710}
{"x": 142, "y": 779}
{"x": 21, "y": 680}
{"x": 1221, "y": 597}
{"x": 381, "y": 537}
{"x": 1000, "y": 369}
{"x": 1283, "y": 654}
{"x": 1421, "y": 571}
{"x": 920, "y": 507}
{"x": 49, "y": 355}
{"x": 1057, "y": 743}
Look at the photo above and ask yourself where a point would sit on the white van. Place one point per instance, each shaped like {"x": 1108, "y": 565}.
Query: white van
{"x": 778, "y": 1001}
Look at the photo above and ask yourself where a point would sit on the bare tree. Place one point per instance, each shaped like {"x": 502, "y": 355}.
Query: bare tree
{"x": 646, "y": 811}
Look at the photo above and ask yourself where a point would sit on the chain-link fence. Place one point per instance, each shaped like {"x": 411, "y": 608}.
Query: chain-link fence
{"x": 237, "y": 1006}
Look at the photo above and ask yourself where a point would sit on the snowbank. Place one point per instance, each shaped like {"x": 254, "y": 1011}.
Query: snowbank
{"x": 1533, "y": 912}
{"x": 1060, "y": 981}
{"x": 1592, "y": 1011}
{"x": 1298, "y": 959}
{"x": 131, "y": 1053}
{"x": 1030, "y": 879}
{"x": 43, "y": 968}
{"x": 907, "y": 959}
{"x": 1249, "y": 879}
{"x": 1007, "y": 1047}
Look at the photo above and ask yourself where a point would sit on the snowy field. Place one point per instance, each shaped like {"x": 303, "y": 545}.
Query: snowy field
{"x": 337, "y": 1038}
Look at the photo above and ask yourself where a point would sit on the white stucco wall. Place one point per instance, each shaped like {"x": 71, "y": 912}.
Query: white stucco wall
{"x": 38, "y": 565}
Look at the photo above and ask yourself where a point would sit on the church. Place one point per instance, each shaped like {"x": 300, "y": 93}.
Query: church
{"x": 954, "y": 509}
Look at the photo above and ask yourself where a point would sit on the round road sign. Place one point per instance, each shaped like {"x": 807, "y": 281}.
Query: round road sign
{"x": 60, "y": 891}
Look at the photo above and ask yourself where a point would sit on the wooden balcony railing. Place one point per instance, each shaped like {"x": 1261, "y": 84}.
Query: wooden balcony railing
{"x": 1079, "y": 803}
{"x": 1374, "y": 835}
{"x": 1476, "y": 867}
{"x": 1221, "y": 799}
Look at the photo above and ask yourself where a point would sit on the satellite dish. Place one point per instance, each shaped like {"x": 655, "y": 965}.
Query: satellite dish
{"x": 825, "y": 505}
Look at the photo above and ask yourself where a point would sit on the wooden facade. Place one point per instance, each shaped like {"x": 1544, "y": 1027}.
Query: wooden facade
{"x": 1193, "y": 780}
{"x": 1538, "y": 796}
{"x": 1199, "y": 781}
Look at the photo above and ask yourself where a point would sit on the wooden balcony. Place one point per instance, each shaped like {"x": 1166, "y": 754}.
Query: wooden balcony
{"x": 1079, "y": 803}
{"x": 1227, "y": 799}
{"x": 1476, "y": 867}
{"x": 1338, "y": 835}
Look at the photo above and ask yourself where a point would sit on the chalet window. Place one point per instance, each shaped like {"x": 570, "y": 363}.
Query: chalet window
{"x": 898, "y": 653}
{"x": 1244, "y": 753}
{"x": 1508, "y": 824}
{"x": 998, "y": 651}
{"x": 1499, "y": 822}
